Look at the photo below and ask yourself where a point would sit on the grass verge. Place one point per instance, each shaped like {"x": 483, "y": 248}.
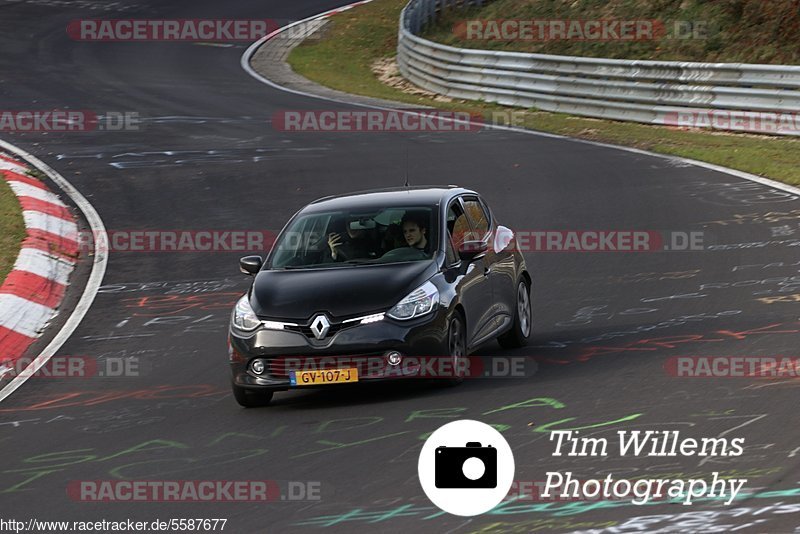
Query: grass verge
{"x": 12, "y": 228}
{"x": 355, "y": 40}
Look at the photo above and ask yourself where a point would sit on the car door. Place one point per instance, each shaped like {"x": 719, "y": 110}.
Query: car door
{"x": 474, "y": 289}
{"x": 501, "y": 261}
{"x": 494, "y": 272}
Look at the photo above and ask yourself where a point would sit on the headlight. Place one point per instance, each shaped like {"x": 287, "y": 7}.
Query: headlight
{"x": 244, "y": 318}
{"x": 419, "y": 302}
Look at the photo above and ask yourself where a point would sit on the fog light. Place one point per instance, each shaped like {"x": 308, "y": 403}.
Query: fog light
{"x": 257, "y": 366}
{"x": 393, "y": 357}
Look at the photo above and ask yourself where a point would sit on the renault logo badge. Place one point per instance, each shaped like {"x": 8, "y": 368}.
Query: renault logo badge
{"x": 320, "y": 326}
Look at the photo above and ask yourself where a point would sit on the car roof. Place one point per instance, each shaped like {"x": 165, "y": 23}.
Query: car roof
{"x": 395, "y": 196}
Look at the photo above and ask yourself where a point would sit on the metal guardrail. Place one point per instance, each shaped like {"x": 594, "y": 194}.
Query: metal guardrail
{"x": 725, "y": 96}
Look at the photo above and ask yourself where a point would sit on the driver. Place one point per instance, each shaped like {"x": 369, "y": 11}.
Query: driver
{"x": 415, "y": 231}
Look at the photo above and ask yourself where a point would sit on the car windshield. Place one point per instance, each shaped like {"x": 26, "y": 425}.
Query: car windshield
{"x": 366, "y": 236}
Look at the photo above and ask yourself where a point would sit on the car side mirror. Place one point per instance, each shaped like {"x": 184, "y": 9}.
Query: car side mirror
{"x": 472, "y": 250}
{"x": 250, "y": 264}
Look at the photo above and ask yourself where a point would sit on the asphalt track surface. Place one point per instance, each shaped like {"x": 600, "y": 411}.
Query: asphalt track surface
{"x": 177, "y": 419}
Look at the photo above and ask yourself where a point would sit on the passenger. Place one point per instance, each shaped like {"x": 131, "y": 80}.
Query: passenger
{"x": 357, "y": 245}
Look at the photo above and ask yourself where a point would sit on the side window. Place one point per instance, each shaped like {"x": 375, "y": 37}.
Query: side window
{"x": 458, "y": 230}
{"x": 477, "y": 215}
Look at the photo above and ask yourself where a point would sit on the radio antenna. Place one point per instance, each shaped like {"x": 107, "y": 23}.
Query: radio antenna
{"x": 406, "y": 184}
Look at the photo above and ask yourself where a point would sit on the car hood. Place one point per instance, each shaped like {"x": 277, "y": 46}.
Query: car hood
{"x": 338, "y": 291}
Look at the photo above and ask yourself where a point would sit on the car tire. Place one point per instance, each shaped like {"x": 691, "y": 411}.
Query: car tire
{"x": 521, "y": 329}
{"x": 456, "y": 348}
{"x": 251, "y": 399}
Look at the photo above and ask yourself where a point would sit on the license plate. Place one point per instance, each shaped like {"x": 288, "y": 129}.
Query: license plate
{"x": 328, "y": 376}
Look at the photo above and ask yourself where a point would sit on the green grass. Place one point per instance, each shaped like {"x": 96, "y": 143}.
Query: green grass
{"x": 354, "y": 40}
{"x": 12, "y": 229}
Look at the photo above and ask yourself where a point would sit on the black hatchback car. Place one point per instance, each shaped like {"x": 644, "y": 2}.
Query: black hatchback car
{"x": 357, "y": 286}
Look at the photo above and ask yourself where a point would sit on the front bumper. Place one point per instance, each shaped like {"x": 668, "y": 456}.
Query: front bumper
{"x": 354, "y": 346}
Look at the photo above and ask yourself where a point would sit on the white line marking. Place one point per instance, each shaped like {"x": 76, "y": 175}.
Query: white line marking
{"x": 43, "y": 264}
{"x": 21, "y": 189}
{"x": 248, "y": 54}
{"x": 99, "y": 264}
{"x": 24, "y": 316}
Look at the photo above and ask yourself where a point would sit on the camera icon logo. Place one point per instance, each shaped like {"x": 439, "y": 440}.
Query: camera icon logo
{"x": 466, "y": 468}
{"x": 472, "y": 466}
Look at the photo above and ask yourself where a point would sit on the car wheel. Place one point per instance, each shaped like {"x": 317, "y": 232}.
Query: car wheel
{"x": 521, "y": 329}
{"x": 249, "y": 398}
{"x": 457, "y": 348}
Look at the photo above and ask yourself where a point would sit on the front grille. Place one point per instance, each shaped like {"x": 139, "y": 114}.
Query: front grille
{"x": 367, "y": 365}
{"x": 332, "y": 330}
{"x": 336, "y": 325}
